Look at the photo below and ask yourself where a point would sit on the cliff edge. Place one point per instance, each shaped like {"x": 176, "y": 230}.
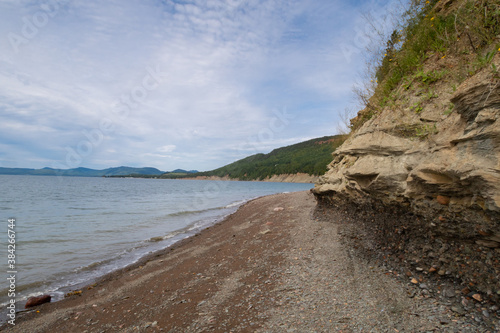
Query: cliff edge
{"x": 427, "y": 147}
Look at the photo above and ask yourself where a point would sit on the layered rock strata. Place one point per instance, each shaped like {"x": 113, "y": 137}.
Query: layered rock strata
{"x": 441, "y": 163}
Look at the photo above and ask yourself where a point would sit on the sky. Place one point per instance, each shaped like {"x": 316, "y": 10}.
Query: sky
{"x": 173, "y": 84}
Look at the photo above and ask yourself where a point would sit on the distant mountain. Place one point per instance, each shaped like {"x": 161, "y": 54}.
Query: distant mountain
{"x": 82, "y": 172}
{"x": 309, "y": 157}
{"x": 183, "y": 171}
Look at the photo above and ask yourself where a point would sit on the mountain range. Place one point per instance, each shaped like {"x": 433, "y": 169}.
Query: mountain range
{"x": 308, "y": 157}
{"x": 86, "y": 172}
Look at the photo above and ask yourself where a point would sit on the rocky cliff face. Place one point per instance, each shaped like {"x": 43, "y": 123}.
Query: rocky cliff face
{"x": 434, "y": 174}
{"x": 442, "y": 162}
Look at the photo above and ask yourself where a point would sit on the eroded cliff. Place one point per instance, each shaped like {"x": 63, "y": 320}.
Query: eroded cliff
{"x": 428, "y": 161}
{"x": 442, "y": 162}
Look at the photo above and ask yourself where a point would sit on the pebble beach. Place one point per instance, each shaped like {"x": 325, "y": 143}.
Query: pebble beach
{"x": 273, "y": 266}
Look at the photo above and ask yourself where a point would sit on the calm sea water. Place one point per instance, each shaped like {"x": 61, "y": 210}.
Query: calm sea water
{"x": 71, "y": 230}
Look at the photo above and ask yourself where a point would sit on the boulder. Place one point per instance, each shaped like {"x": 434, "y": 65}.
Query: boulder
{"x": 37, "y": 300}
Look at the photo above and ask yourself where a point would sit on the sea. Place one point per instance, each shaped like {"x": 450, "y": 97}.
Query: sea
{"x": 69, "y": 231}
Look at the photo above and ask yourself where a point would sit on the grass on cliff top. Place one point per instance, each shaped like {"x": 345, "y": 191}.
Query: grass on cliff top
{"x": 466, "y": 30}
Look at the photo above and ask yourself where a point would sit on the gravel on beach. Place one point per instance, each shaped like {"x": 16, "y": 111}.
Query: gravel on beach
{"x": 273, "y": 266}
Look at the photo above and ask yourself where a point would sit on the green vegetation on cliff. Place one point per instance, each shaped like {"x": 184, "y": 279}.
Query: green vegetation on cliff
{"x": 309, "y": 157}
{"x": 435, "y": 41}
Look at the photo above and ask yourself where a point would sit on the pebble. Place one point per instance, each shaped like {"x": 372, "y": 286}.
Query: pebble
{"x": 449, "y": 293}
{"x": 444, "y": 321}
{"x": 458, "y": 309}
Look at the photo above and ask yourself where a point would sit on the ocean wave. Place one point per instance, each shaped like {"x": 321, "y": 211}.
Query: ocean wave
{"x": 236, "y": 204}
{"x": 44, "y": 241}
{"x": 193, "y": 212}
{"x": 86, "y": 208}
{"x": 162, "y": 238}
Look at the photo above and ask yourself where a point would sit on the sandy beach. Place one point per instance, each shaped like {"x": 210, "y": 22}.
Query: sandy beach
{"x": 273, "y": 266}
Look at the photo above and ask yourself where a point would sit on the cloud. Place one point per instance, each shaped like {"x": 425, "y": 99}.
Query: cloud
{"x": 167, "y": 149}
{"x": 226, "y": 67}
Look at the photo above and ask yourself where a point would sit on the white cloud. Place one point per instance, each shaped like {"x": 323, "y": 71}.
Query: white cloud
{"x": 228, "y": 65}
{"x": 167, "y": 149}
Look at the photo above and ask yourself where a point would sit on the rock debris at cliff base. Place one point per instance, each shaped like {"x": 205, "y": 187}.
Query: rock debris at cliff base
{"x": 460, "y": 275}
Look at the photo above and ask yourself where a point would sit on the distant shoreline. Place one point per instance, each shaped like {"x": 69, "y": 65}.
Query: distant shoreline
{"x": 286, "y": 178}
{"x": 302, "y": 178}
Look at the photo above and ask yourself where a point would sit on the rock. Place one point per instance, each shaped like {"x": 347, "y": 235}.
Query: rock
{"x": 265, "y": 232}
{"x": 465, "y": 302}
{"x": 484, "y": 233}
{"x": 414, "y": 281}
{"x": 442, "y": 272}
{"x": 278, "y": 209}
{"x": 449, "y": 293}
{"x": 458, "y": 309}
{"x": 38, "y": 300}
{"x": 442, "y": 200}
{"x": 476, "y": 96}
{"x": 477, "y": 297}
{"x": 423, "y": 286}
{"x": 432, "y": 270}
{"x": 444, "y": 321}
{"x": 488, "y": 243}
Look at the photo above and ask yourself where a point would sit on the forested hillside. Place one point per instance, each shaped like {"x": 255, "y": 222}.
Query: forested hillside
{"x": 309, "y": 157}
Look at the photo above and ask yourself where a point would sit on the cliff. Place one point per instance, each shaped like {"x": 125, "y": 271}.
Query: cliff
{"x": 438, "y": 164}
{"x": 425, "y": 152}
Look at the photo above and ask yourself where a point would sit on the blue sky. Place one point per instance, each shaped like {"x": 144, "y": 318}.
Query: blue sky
{"x": 172, "y": 84}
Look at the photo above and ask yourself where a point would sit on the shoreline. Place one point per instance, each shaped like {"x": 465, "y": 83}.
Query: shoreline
{"x": 272, "y": 266}
{"x": 179, "y": 238}
{"x": 62, "y": 268}
{"x": 26, "y": 315}
{"x": 301, "y": 178}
